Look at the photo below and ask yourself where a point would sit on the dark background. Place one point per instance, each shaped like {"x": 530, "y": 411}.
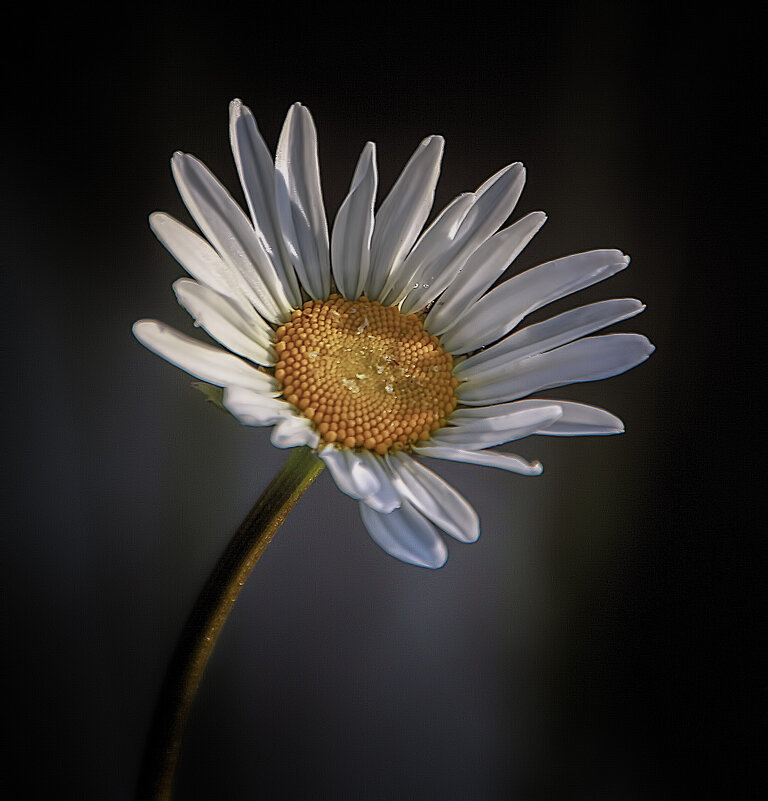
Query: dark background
{"x": 600, "y": 640}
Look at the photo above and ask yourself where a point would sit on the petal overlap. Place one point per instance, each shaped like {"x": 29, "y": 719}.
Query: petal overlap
{"x": 300, "y": 201}
{"x": 252, "y": 273}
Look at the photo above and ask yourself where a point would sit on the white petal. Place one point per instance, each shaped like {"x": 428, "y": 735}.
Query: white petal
{"x": 586, "y": 359}
{"x": 223, "y": 321}
{"x": 488, "y": 432}
{"x": 503, "y": 307}
{"x": 254, "y": 408}
{"x": 300, "y": 201}
{"x": 580, "y": 419}
{"x": 292, "y": 432}
{"x": 386, "y": 498}
{"x": 403, "y": 213}
{"x": 200, "y": 260}
{"x": 576, "y": 419}
{"x": 435, "y": 498}
{"x": 351, "y": 237}
{"x": 352, "y": 476}
{"x": 406, "y": 535}
{"x": 433, "y": 242}
{"x": 257, "y": 176}
{"x": 504, "y": 461}
{"x": 495, "y": 200}
{"x": 202, "y": 361}
{"x": 550, "y": 334}
{"x": 483, "y": 267}
{"x": 231, "y": 233}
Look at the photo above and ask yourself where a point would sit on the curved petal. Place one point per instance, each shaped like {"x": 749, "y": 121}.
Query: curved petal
{"x": 406, "y": 535}
{"x": 495, "y": 200}
{"x": 292, "y": 432}
{"x": 505, "y": 461}
{"x": 200, "y": 260}
{"x": 550, "y": 334}
{"x": 352, "y": 230}
{"x": 254, "y": 408}
{"x": 586, "y": 359}
{"x": 224, "y": 322}
{"x": 386, "y": 498}
{"x": 257, "y": 177}
{"x": 482, "y": 268}
{"x": 403, "y": 213}
{"x": 352, "y": 476}
{"x": 502, "y": 308}
{"x": 577, "y": 419}
{"x": 299, "y": 199}
{"x": 487, "y": 432}
{"x": 202, "y": 361}
{"x": 231, "y": 233}
{"x": 435, "y": 498}
{"x": 580, "y": 419}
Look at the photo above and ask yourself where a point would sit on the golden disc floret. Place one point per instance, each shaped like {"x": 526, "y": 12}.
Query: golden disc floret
{"x": 366, "y": 375}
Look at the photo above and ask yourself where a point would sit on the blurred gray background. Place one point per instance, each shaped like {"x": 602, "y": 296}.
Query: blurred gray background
{"x": 599, "y": 641}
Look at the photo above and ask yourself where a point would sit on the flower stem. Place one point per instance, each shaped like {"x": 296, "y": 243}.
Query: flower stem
{"x": 208, "y": 616}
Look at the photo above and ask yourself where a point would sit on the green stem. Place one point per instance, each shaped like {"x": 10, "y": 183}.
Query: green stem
{"x": 208, "y": 616}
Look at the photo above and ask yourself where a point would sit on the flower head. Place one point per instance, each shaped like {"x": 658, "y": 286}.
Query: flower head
{"x": 383, "y": 343}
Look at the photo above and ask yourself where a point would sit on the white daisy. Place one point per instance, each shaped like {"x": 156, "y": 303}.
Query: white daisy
{"x": 383, "y": 343}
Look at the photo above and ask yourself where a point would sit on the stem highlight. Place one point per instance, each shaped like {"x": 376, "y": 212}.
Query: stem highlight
{"x": 207, "y": 619}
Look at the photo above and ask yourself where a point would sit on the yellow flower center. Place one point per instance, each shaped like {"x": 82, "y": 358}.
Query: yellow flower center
{"x": 366, "y": 375}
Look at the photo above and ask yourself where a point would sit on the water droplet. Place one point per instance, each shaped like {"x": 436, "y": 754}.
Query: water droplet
{"x": 389, "y": 388}
{"x": 351, "y": 385}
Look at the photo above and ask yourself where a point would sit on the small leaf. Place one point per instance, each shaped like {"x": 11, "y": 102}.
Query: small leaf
{"x": 212, "y": 393}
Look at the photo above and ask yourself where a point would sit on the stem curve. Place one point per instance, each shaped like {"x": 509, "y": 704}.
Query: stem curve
{"x": 207, "y": 618}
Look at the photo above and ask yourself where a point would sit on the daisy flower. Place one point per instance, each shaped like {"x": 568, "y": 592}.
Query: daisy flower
{"x": 383, "y": 342}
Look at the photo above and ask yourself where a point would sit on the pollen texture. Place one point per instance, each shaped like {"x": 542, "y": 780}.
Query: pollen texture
{"x": 366, "y": 375}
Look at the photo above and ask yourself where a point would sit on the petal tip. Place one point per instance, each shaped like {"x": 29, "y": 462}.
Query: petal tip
{"x": 434, "y": 140}
{"x": 648, "y": 347}
{"x": 474, "y": 535}
{"x": 143, "y": 328}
